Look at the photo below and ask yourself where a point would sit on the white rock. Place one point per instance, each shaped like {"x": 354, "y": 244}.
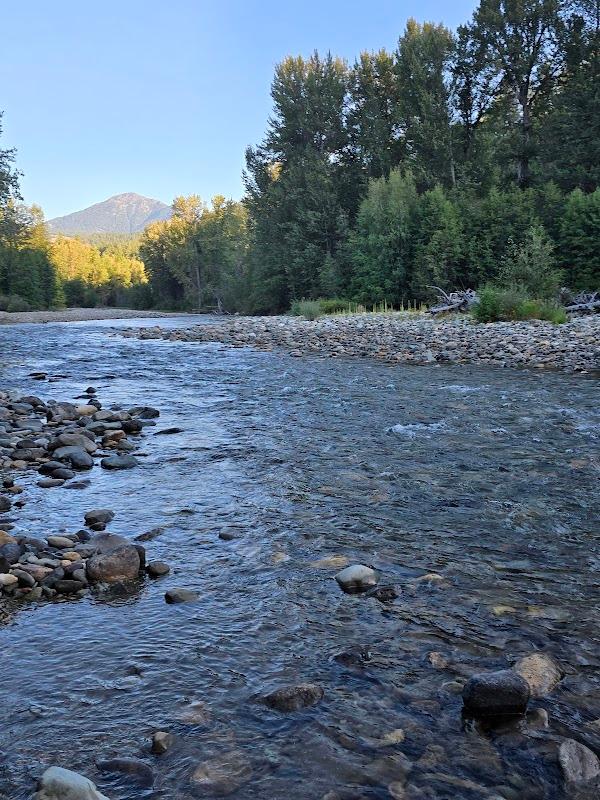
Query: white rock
{"x": 357, "y": 578}
{"x": 62, "y": 784}
{"x": 8, "y": 580}
{"x": 577, "y": 761}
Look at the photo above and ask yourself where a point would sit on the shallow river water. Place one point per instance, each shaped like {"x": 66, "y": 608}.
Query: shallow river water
{"x": 488, "y": 478}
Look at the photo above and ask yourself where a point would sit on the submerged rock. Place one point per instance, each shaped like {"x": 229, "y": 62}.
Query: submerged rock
{"x": 357, "y": 578}
{"x": 578, "y": 763}
{"x": 489, "y": 694}
{"x": 223, "y": 774}
{"x": 137, "y": 770}
{"x": 180, "y": 596}
{"x": 293, "y": 698}
{"x": 61, "y": 784}
{"x": 119, "y": 462}
{"x": 541, "y": 672}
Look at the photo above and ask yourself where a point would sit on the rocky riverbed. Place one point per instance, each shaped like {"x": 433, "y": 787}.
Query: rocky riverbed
{"x": 363, "y": 581}
{"x": 402, "y": 338}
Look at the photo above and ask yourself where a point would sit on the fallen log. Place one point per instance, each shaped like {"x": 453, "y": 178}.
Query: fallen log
{"x": 585, "y": 302}
{"x": 455, "y": 301}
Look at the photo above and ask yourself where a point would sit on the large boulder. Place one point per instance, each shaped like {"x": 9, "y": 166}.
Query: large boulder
{"x": 62, "y": 784}
{"x": 541, "y": 672}
{"x": 489, "y": 694}
{"x": 120, "y": 564}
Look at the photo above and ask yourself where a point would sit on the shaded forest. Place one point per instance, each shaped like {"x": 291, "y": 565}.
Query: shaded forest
{"x": 459, "y": 159}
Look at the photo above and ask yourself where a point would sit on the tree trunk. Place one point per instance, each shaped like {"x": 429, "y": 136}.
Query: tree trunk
{"x": 523, "y": 161}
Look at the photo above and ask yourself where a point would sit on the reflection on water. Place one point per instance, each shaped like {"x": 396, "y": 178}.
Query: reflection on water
{"x": 472, "y": 491}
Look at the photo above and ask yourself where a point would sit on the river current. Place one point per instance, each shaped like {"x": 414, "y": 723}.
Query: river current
{"x": 473, "y": 491}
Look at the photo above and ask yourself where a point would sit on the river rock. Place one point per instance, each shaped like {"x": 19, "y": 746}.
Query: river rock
{"x": 6, "y": 538}
{"x": 85, "y": 411}
{"x": 293, "y": 698}
{"x": 223, "y": 774}
{"x": 139, "y": 771}
{"x": 7, "y": 579}
{"x": 541, "y": 672}
{"x": 156, "y": 569}
{"x": 73, "y": 440}
{"x": 161, "y": 742}
{"x": 99, "y": 516}
{"x": 119, "y": 462}
{"x": 121, "y": 564}
{"x": 489, "y": 694}
{"x": 61, "y": 784}
{"x": 61, "y": 542}
{"x": 144, "y": 412}
{"x": 357, "y": 578}
{"x": 77, "y": 457}
{"x": 175, "y": 595}
{"x": 25, "y": 578}
{"x": 50, "y": 483}
{"x": 578, "y": 763}
{"x": 5, "y": 503}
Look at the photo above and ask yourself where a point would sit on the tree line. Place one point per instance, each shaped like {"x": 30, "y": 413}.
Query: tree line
{"x": 440, "y": 163}
{"x": 40, "y": 271}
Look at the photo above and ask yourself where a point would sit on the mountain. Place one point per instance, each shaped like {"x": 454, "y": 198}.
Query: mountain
{"x": 123, "y": 213}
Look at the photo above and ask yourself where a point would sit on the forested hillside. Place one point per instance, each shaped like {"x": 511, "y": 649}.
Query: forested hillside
{"x": 445, "y": 162}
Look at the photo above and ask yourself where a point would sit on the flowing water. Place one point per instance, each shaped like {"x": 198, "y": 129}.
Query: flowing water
{"x": 487, "y": 478}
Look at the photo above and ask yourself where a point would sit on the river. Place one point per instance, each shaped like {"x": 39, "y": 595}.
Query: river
{"x": 486, "y": 478}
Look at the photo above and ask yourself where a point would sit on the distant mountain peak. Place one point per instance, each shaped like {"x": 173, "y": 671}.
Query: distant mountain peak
{"x": 124, "y": 213}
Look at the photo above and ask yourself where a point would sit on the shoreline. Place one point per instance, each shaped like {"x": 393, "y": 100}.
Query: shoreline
{"x": 79, "y": 315}
{"x": 408, "y": 338}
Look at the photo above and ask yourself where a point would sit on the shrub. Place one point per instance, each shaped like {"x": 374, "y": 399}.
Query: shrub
{"x": 334, "y": 304}
{"x": 310, "y": 309}
{"x": 13, "y": 303}
{"x": 507, "y": 305}
{"x": 498, "y": 305}
{"x": 530, "y": 264}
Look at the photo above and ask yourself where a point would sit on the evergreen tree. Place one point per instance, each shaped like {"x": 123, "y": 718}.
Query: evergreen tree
{"x": 579, "y": 238}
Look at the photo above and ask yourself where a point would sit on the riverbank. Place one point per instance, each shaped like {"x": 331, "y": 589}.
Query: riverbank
{"x": 405, "y": 338}
{"x": 78, "y": 315}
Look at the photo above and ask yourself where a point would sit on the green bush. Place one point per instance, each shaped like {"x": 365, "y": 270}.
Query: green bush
{"x": 310, "y": 309}
{"x": 531, "y": 264}
{"x": 333, "y": 305}
{"x": 506, "y": 305}
{"x": 13, "y": 303}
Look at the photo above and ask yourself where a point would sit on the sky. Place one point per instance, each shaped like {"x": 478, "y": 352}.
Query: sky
{"x": 162, "y": 98}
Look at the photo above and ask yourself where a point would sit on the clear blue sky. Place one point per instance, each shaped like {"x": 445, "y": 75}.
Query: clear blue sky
{"x": 161, "y": 97}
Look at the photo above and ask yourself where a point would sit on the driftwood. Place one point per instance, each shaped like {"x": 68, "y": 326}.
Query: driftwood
{"x": 583, "y": 303}
{"x": 455, "y": 301}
